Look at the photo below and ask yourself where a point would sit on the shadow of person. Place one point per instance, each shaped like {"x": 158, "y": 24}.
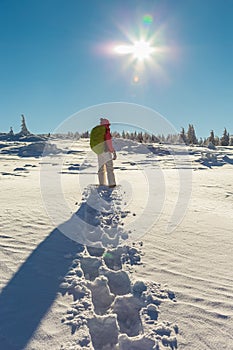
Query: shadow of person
{"x": 95, "y": 223}
{"x": 32, "y": 290}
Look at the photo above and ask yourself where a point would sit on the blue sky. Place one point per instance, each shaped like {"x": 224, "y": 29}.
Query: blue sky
{"x": 56, "y": 59}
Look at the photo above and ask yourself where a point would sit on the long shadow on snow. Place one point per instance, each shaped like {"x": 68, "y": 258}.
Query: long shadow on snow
{"x": 32, "y": 290}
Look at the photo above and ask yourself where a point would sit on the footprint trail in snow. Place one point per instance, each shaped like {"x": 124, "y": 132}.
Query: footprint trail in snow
{"x": 110, "y": 309}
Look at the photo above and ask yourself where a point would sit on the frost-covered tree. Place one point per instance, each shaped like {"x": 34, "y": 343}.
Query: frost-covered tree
{"x": 200, "y": 141}
{"x": 11, "y": 132}
{"x": 182, "y": 136}
{"x": 24, "y": 129}
{"x": 115, "y": 134}
{"x": 76, "y": 135}
{"x": 191, "y": 135}
{"x": 224, "y": 141}
{"x": 231, "y": 141}
{"x": 154, "y": 139}
{"x": 127, "y": 135}
{"x": 139, "y": 137}
{"x": 85, "y": 135}
{"x": 146, "y": 137}
{"x": 205, "y": 141}
{"x": 211, "y": 138}
{"x": 217, "y": 141}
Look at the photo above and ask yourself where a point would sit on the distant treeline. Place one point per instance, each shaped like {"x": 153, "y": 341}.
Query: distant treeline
{"x": 188, "y": 137}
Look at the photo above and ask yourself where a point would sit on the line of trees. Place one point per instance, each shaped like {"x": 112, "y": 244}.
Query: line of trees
{"x": 188, "y": 137}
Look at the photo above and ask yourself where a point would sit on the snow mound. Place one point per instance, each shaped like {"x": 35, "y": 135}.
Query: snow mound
{"x": 211, "y": 146}
{"x": 37, "y": 149}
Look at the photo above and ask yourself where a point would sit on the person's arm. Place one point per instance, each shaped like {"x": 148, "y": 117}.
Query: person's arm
{"x": 108, "y": 139}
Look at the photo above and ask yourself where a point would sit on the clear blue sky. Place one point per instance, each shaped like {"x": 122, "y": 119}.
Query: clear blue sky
{"x": 55, "y": 60}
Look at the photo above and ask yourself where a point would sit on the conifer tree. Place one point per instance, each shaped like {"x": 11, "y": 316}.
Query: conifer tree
{"x": 200, "y": 142}
{"x": 154, "y": 138}
{"x": 127, "y": 136}
{"x": 224, "y": 141}
{"x": 140, "y": 137}
{"x": 205, "y": 141}
{"x": 212, "y": 137}
{"x": 24, "y": 130}
{"x": 191, "y": 135}
{"x": 217, "y": 141}
{"x": 182, "y": 136}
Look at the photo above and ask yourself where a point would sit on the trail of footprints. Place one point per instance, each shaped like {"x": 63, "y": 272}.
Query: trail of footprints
{"x": 109, "y": 311}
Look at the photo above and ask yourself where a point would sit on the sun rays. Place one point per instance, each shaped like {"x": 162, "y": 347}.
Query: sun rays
{"x": 140, "y": 50}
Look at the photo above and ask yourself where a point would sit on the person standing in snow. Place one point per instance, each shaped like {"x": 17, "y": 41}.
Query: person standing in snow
{"x": 105, "y": 159}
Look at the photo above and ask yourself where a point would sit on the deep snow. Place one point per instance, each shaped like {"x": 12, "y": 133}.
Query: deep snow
{"x": 136, "y": 284}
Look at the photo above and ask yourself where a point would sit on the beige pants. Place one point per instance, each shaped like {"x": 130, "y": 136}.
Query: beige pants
{"x": 106, "y": 171}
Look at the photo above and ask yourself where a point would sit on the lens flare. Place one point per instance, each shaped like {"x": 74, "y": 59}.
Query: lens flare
{"x": 147, "y": 19}
{"x": 123, "y": 49}
{"x": 136, "y": 79}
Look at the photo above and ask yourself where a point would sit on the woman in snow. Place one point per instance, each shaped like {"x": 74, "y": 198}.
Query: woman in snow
{"x": 105, "y": 159}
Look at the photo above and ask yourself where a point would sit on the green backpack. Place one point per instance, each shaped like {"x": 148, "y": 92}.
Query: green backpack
{"x": 97, "y": 139}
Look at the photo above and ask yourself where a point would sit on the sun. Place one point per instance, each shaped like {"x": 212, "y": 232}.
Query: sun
{"x": 140, "y": 50}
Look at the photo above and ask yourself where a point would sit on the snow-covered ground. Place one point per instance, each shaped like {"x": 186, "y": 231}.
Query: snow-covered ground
{"x": 163, "y": 278}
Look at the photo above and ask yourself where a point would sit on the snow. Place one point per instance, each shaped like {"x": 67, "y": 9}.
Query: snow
{"x": 84, "y": 267}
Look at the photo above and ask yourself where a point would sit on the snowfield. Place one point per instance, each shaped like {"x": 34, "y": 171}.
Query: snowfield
{"x": 146, "y": 265}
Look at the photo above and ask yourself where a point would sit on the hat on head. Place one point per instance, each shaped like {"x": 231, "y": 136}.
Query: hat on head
{"x": 104, "y": 121}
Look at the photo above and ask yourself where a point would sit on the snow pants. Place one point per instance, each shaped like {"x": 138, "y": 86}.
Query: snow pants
{"x": 106, "y": 172}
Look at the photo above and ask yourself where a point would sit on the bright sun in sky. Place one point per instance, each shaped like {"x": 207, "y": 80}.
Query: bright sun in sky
{"x": 140, "y": 50}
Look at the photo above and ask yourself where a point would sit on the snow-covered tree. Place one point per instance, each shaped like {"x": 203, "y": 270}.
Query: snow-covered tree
{"x": 76, "y": 135}
{"x": 154, "y": 138}
{"x": 224, "y": 141}
{"x": 146, "y": 137}
{"x": 11, "y": 132}
{"x": 212, "y": 137}
{"x": 85, "y": 135}
{"x": 191, "y": 135}
{"x": 127, "y": 135}
{"x": 200, "y": 141}
{"x": 24, "y": 130}
{"x": 182, "y": 136}
{"x": 217, "y": 141}
{"x": 139, "y": 137}
{"x": 116, "y": 134}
